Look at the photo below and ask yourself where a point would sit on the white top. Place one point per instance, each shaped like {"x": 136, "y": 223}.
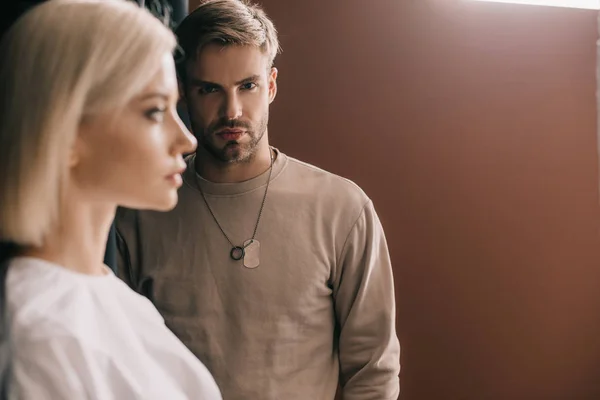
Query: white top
{"x": 78, "y": 336}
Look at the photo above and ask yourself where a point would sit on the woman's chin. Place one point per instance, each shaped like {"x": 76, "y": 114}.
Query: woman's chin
{"x": 167, "y": 202}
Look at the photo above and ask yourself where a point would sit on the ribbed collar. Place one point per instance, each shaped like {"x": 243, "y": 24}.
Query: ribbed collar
{"x": 192, "y": 179}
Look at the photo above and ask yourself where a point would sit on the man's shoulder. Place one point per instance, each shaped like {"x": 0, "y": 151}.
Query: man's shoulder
{"x": 325, "y": 184}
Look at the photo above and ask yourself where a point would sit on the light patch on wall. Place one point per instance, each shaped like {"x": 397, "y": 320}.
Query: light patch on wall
{"x": 587, "y": 4}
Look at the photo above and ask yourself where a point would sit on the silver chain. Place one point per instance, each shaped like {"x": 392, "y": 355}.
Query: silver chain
{"x": 262, "y": 205}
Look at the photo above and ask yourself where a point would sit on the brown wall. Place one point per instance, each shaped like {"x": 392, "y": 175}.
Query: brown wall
{"x": 472, "y": 127}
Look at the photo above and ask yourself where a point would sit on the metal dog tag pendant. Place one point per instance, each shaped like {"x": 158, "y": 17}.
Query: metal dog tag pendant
{"x": 252, "y": 253}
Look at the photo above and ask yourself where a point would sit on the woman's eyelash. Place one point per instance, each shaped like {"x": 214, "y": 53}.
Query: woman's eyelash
{"x": 155, "y": 113}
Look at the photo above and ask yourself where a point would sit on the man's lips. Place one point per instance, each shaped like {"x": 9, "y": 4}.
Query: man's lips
{"x": 231, "y": 134}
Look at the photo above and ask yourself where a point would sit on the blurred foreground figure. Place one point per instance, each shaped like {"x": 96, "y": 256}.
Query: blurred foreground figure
{"x": 88, "y": 122}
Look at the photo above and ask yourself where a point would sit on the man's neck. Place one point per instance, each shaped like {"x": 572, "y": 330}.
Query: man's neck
{"x": 214, "y": 171}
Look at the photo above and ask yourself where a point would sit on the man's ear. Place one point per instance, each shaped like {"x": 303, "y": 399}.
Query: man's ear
{"x": 273, "y": 84}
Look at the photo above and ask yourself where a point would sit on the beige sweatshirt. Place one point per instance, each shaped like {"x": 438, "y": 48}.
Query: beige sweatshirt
{"x": 320, "y": 306}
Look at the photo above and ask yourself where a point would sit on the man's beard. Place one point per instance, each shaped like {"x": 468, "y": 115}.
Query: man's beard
{"x": 232, "y": 152}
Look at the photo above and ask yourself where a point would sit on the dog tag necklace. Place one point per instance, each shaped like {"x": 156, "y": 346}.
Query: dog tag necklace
{"x": 249, "y": 251}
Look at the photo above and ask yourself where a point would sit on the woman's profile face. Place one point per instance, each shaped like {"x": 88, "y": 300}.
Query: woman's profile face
{"x": 133, "y": 157}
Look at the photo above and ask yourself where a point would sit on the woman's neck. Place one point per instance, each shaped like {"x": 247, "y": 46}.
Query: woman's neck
{"x": 78, "y": 242}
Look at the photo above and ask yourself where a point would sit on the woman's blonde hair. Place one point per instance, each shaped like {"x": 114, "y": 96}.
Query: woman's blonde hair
{"x": 61, "y": 61}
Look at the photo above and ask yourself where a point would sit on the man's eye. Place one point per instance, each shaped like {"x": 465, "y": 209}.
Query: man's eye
{"x": 248, "y": 86}
{"x": 207, "y": 89}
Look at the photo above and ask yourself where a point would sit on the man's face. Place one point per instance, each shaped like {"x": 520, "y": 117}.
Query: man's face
{"x": 227, "y": 91}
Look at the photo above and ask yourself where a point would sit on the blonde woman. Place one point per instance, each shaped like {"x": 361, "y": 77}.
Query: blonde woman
{"x": 87, "y": 122}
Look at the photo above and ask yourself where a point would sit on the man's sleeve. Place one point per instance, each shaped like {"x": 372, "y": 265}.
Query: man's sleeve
{"x": 365, "y": 308}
